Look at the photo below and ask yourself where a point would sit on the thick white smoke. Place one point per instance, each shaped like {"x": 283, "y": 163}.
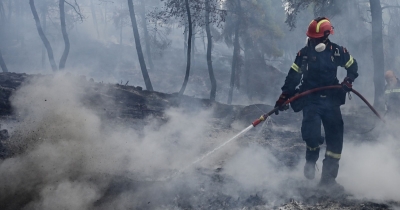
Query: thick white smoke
{"x": 71, "y": 157}
{"x": 372, "y": 169}
{"x": 67, "y": 144}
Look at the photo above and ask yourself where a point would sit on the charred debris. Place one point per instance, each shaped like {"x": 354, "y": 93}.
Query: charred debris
{"x": 136, "y": 107}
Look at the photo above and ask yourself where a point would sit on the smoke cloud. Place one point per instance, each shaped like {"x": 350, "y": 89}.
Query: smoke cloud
{"x": 372, "y": 169}
{"x": 68, "y": 157}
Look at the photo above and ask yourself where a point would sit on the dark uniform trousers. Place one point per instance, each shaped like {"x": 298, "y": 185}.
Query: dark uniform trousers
{"x": 323, "y": 109}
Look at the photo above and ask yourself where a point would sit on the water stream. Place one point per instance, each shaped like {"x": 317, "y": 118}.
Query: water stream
{"x": 208, "y": 154}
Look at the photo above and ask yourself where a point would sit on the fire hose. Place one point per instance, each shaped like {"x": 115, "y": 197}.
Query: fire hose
{"x": 266, "y": 115}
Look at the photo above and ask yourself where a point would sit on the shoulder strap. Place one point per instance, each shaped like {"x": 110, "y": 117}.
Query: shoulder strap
{"x": 336, "y": 53}
{"x": 304, "y": 59}
{"x": 335, "y": 49}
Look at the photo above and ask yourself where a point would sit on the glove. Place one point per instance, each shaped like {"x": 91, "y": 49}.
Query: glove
{"x": 347, "y": 84}
{"x": 279, "y": 103}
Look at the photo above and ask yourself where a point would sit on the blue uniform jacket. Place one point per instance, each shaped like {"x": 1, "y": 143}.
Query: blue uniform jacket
{"x": 313, "y": 69}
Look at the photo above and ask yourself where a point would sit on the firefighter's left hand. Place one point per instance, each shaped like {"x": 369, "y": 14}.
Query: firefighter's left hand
{"x": 280, "y": 103}
{"x": 347, "y": 84}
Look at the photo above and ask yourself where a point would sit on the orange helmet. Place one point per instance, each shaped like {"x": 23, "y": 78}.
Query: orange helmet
{"x": 320, "y": 27}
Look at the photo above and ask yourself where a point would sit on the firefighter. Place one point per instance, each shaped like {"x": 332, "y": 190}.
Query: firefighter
{"x": 392, "y": 95}
{"x": 316, "y": 66}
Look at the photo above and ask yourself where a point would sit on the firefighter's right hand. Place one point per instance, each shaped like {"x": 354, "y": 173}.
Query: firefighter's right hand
{"x": 281, "y": 103}
{"x": 347, "y": 85}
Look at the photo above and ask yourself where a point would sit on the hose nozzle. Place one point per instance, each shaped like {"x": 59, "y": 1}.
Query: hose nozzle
{"x": 258, "y": 121}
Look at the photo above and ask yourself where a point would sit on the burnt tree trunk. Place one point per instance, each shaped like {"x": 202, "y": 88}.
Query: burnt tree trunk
{"x": 377, "y": 51}
{"x": 145, "y": 74}
{"x": 185, "y": 36}
{"x": 249, "y": 64}
{"x": 193, "y": 46}
{"x": 3, "y": 24}
{"x": 64, "y": 56}
{"x": 393, "y": 31}
{"x": 2, "y": 63}
{"x": 236, "y": 53}
{"x": 2, "y": 13}
{"x": 146, "y": 33}
{"x": 209, "y": 49}
{"x": 203, "y": 40}
{"x": 43, "y": 36}
{"x": 44, "y": 19}
{"x": 185, "y": 81}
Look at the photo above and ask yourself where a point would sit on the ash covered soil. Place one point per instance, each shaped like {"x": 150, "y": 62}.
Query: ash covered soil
{"x": 73, "y": 143}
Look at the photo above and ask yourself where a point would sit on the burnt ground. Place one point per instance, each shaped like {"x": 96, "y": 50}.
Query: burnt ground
{"x": 137, "y": 107}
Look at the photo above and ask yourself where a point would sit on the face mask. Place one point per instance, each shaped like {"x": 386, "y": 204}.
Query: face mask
{"x": 318, "y": 43}
{"x": 320, "y": 47}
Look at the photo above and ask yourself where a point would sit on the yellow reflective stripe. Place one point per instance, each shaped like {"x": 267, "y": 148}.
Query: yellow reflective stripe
{"x": 392, "y": 91}
{"x": 332, "y": 154}
{"x": 295, "y": 67}
{"x": 319, "y": 24}
{"x": 350, "y": 62}
{"x": 312, "y": 149}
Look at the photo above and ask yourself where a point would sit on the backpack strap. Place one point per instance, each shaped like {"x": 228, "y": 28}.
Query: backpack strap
{"x": 336, "y": 53}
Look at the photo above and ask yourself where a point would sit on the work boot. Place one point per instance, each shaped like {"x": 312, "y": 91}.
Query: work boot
{"x": 331, "y": 188}
{"x": 309, "y": 170}
{"x": 330, "y": 169}
{"x": 328, "y": 183}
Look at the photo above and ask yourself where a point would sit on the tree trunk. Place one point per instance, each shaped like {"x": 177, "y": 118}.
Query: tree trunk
{"x": 193, "y": 47}
{"x": 146, "y": 76}
{"x": 64, "y": 56}
{"x": 249, "y": 66}
{"x": 3, "y": 21}
{"x": 43, "y": 36}
{"x": 2, "y": 63}
{"x": 44, "y": 12}
{"x": 236, "y": 53}
{"x": 146, "y": 33}
{"x": 185, "y": 44}
{"x": 185, "y": 81}
{"x": 209, "y": 48}
{"x": 93, "y": 11}
{"x": 203, "y": 40}
{"x": 393, "y": 31}
{"x": 2, "y": 13}
{"x": 377, "y": 51}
